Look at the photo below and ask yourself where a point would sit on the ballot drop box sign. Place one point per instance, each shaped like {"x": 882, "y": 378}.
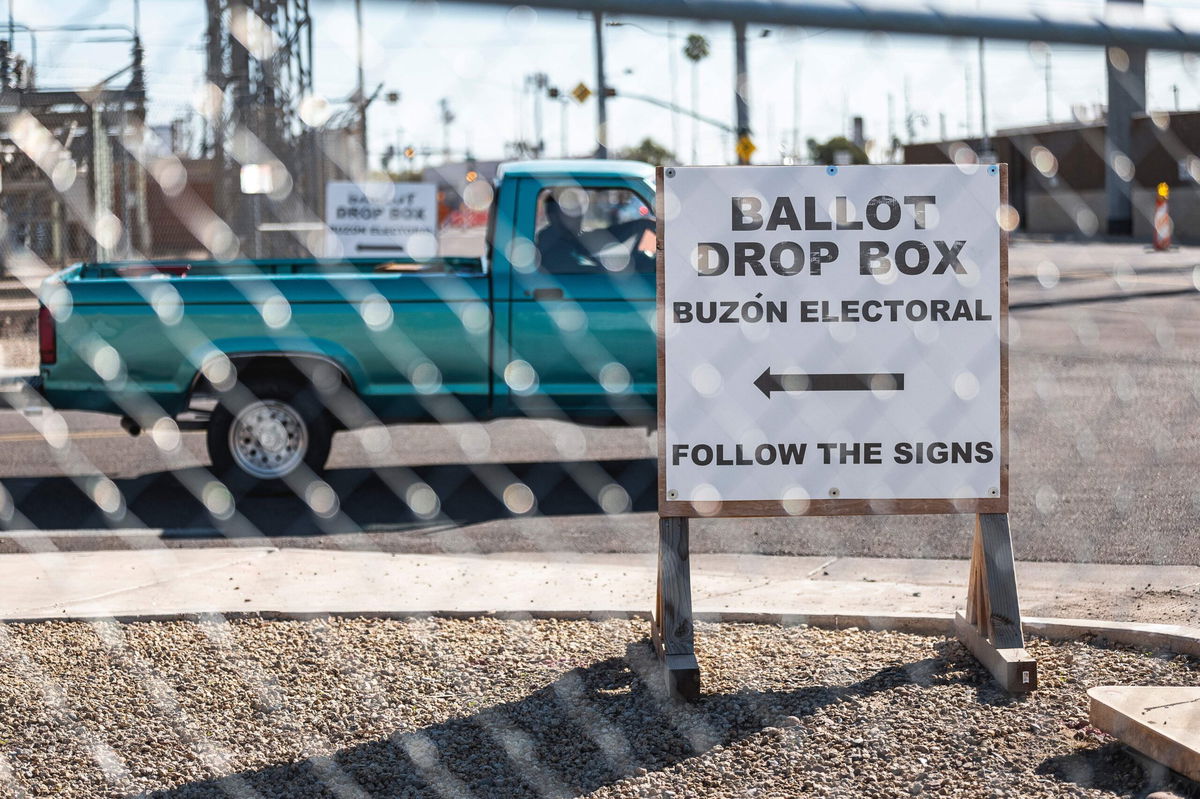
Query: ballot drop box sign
{"x": 832, "y": 340}
{"x": 380, "y": 219}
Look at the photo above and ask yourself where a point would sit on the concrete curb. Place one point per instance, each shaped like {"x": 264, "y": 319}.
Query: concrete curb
{"x": 1172, "y": 638}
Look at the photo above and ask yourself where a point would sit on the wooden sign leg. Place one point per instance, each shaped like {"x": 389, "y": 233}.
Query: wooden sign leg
{"x": 672, "y": 627}
{"x": 991, "y": 627}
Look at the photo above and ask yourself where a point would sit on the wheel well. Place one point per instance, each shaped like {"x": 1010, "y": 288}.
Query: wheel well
{"x": 325, "y": 373}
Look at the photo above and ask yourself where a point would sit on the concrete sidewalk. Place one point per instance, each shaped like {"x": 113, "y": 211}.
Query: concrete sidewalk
{"x": 262, "y": 579}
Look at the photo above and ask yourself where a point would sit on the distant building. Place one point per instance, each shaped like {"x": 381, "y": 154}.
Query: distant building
{"x": 1056, "y": 173}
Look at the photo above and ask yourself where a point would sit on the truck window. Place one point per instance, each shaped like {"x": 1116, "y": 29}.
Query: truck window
{"x": 581, "y": 230}
{"x": 463, "y": 219}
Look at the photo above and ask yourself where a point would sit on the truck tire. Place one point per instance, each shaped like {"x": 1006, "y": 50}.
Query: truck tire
{"x": 264, "y": 433}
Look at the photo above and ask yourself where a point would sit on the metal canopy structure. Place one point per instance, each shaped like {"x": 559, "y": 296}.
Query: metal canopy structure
{"x": 1111, "y": 26}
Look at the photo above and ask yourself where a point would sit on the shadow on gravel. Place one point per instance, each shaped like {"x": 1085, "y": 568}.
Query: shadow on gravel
{"x": 370, "y": 498}
{"x": 1113, "y": 768}
{"x": 592, "y": 727}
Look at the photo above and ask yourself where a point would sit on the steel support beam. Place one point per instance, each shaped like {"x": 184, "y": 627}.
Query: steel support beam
{"x": 1126, "y": 97}
{"x": 1128, "y": 28}
{"x": 741, "y": 88}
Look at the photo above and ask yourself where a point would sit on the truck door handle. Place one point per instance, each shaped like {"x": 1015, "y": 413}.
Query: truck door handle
{"x": 547, "y": 294}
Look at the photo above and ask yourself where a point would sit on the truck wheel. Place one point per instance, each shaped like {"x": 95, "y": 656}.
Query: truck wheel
{"x": 262, "y": 437}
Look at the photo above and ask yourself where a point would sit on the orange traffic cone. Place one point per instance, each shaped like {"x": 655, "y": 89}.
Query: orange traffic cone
{"x": 1163, "y": 226}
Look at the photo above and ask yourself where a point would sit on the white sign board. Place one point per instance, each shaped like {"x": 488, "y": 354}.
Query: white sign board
{"x": 367, "y": 220}
{"x": 832, "y": 340}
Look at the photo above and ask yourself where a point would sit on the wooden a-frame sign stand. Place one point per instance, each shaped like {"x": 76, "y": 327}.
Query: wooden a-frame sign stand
{"x": 990, "y": 628}
{"x": 991, "y": 625}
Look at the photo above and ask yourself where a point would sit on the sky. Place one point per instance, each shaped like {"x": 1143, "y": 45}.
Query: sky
{"x": 478, "y": 58}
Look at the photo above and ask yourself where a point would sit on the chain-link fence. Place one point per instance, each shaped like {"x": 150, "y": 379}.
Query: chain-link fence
{"x": 278, "y": 337}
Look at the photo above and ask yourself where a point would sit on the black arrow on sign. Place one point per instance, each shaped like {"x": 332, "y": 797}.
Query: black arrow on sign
{"x": 768, "y": 382}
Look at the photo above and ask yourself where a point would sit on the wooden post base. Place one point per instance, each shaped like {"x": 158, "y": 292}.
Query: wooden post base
{"x": 671, "y": 630}
{"x": 1014, "y": 669}
{"x": 991, "y": 626}
{"x": 682, "y": 673}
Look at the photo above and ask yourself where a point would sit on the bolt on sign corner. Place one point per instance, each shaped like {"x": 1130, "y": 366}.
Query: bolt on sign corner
{"x": 833, "y": 340}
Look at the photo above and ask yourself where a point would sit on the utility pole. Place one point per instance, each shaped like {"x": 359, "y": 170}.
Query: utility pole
{"x": 769, "y": 138}
{"x": 447, "y": 120}
{"x": 696, "y": 51}
{"x": 245, "y": 221}
{"x": 214, "y": 118}
{"x": 910, "y": 131}
{"x": 562, "y": 127}
{"x": 601, "y": 89}
{"x": 796, "y": 111}
{"x": 539, "y": 86}
{"x": 891, "y": 126}
{"x": 695, "y": 106}
{"x": 538, "y": 81}
{"x": 673, "y": 66}
{"x": 137, "y": 226}
{"x": 1049, "y": 94}
{"x": 983, "y": 120}
{"x": 138, "y": 80}
{"x": 1175, "y": 92}
{"x": 362, "y": 89}
{"x": 969, "y": 112}
{"x": 742, "y": 92}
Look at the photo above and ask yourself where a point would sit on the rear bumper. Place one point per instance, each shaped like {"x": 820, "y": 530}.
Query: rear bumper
{"x": 22, "y": 392}
{"x": 21, "y": 384}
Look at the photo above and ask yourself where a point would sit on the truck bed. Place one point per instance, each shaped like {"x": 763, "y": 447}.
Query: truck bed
{"x": 383, "y": 322}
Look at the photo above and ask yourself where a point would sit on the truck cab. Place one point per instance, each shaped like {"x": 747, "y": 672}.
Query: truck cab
{"x": 581, "y": 304}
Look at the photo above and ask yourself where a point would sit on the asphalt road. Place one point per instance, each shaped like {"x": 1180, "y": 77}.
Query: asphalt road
{"x": 1105, "y": 466}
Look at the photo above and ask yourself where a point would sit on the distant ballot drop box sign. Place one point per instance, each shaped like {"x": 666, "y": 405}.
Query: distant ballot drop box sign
{"x": 379, "y": 219}
{"x": 832, "y": 341}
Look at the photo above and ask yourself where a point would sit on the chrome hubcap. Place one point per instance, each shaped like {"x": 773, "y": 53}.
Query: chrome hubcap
{"x": 268, "y": 439}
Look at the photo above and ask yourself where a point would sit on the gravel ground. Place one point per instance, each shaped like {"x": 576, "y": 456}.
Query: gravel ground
{"x": 488, "y": 708}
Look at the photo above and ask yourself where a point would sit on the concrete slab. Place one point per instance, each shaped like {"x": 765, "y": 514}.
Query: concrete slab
{"x": 1161, "y": 722}
{"x": 294, "y": 580}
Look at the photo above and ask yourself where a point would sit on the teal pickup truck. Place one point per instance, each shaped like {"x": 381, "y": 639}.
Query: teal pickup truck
{"x": 554, "y": 319}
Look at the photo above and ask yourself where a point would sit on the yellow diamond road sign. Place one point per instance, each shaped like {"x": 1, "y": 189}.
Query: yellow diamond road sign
{"x": 745, "y": 148}
{"x": 581, "y": 93}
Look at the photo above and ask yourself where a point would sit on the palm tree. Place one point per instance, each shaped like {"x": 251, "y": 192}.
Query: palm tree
{"x": 696, "y": 50}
